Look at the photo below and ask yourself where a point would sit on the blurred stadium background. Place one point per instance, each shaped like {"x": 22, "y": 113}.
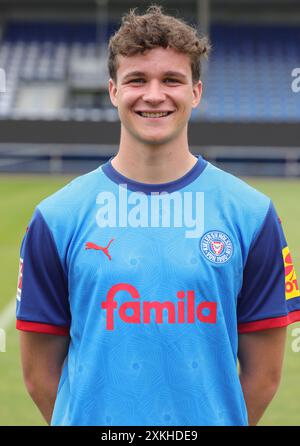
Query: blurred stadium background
{"x": 56, "y": 121}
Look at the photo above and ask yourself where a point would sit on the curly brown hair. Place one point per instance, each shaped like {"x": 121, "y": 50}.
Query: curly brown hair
{"x": 139, "y": 33}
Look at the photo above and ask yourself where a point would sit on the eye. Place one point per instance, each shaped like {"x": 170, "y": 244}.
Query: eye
{"x": 172, "y": 81}
{"x": 136, "y": 81}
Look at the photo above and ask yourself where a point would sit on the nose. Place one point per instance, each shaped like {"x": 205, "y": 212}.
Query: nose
{"x": 154, "y": 93}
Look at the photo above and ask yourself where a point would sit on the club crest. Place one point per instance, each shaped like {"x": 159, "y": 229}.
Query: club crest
{"x": 216, "y": 247}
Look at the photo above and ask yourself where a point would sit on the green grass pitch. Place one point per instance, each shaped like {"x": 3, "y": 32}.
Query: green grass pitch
{"x": 18, "y": 197}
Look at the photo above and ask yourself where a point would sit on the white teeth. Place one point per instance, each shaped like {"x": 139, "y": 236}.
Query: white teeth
{"x": 154, "y": 115}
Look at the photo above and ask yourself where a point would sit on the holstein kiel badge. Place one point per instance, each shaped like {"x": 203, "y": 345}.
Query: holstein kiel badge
{"x": 216, "y": 246}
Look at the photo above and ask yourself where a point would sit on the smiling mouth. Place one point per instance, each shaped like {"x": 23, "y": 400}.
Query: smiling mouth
{"x": 154, "y": 114}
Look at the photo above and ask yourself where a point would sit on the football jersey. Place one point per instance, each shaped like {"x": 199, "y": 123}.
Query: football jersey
{"x": 153, "y": 284}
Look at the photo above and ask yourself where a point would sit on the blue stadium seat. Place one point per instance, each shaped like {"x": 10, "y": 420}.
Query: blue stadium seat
{"x": 248, "y": 77}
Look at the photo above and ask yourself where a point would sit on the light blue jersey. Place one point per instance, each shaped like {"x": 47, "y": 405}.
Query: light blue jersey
{"x": 153, "y": 289}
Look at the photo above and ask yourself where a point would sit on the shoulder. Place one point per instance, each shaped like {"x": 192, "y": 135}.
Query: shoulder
{"x": 242, "y": 204}
{"x": 69, "y": 201}
{"x": 69, "y": 209}
{"x": 236, "y": 189}
{"x": 62, "y": 215}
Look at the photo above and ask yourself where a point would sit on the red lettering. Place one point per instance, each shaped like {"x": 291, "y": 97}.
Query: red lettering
{"x": 159, "y": 307}
{"x": 110, "y": 305}
{"x": 191, "y": 306}
{"x": 211, "y": 318}
{"x": 289, "y": 286}
{"x": 135, "y": 318}
{"x": 180, "y": 295}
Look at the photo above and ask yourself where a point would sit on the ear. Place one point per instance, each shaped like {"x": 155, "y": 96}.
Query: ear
{"x": 197, "y": 92}
{"x": 112, "y": 88}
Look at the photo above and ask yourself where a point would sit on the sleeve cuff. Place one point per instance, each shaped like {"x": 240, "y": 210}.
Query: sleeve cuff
{"x": 38, "y": 327}
{"x": 264, "y": 324}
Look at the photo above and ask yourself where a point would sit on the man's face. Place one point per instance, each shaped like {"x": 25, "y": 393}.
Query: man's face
{"x": 154, "y": 94}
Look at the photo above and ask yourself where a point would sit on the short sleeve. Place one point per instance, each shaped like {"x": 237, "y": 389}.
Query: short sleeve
{"x": 42, "y": 295}
{"x": 270, "y": 295}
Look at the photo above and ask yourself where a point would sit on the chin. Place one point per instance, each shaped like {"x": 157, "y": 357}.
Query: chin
{"x": 155, "y": 139}
{"x": 155, "y": 142}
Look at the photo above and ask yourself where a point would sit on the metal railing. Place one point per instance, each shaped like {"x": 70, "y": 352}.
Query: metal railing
{"x": 81, "y": 158}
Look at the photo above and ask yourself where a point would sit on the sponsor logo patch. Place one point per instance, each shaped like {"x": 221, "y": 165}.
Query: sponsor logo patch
{"x": 216, "y": 246}
{"x": 291, "y": 284}
{"x": 20, "y": 280}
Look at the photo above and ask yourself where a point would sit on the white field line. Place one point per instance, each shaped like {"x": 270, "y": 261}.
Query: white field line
{"x": 8, "y": 315}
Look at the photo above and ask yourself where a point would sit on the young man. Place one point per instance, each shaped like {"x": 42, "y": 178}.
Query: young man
{"x": 144, "y": 281}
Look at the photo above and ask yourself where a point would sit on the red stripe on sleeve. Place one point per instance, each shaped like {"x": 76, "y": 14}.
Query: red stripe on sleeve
{"x": 38, "y": 327}
{"x": 275, "y": 322}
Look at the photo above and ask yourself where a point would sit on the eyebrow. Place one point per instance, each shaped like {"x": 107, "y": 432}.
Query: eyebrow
{"x": 167, "y": 73}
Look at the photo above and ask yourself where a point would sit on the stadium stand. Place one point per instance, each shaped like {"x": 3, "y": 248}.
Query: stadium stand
{"x": 43, "y": 62}
{"x": 56, "y": 116}
{"x": 248, "y": 77}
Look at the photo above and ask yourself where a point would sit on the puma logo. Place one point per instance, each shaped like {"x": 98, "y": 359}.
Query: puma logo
{"x": 90, "y": 245}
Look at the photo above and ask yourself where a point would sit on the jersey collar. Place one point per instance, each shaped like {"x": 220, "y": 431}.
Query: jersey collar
{"x": 171, "y": 186}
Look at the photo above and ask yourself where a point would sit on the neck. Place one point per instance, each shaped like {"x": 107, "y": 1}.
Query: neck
{"x": 153, "y": 164}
